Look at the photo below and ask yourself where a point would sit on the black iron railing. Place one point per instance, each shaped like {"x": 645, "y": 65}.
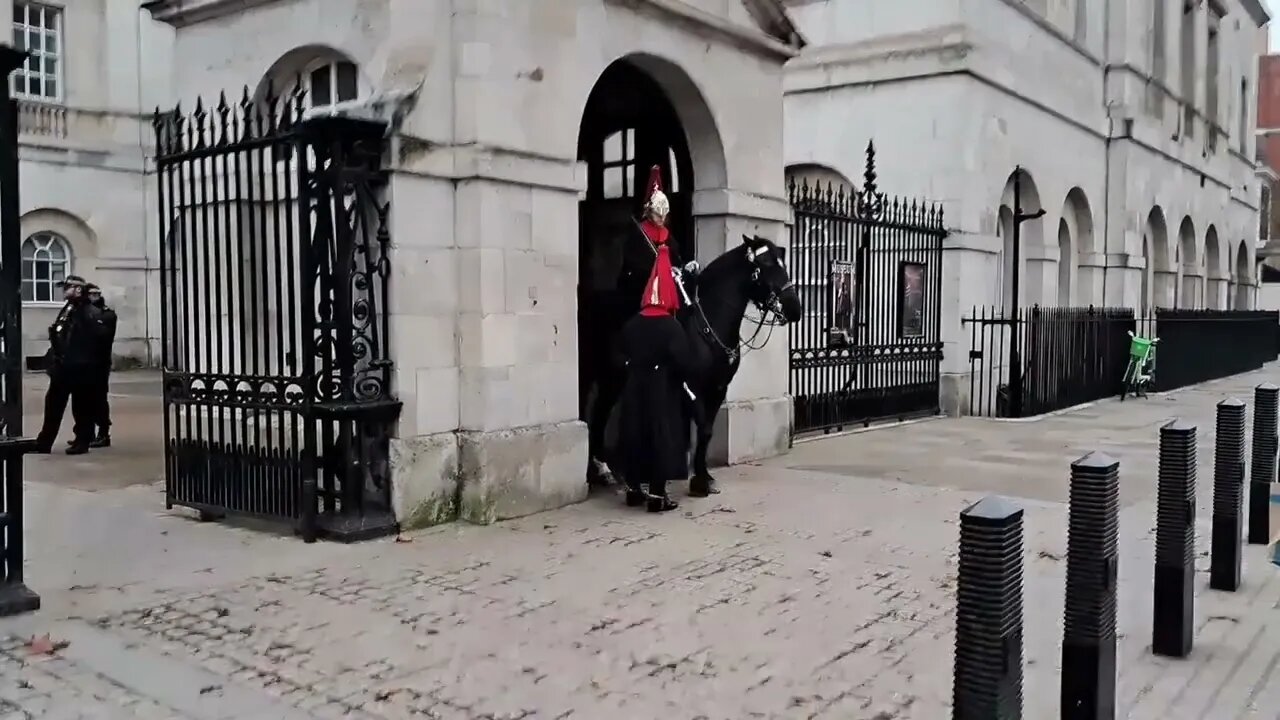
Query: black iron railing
{"x": 274, "y": 287}
{"x": 1069, "y": 356}
{"x": 869, "y": 271}
{"x": 1201, "y": 345}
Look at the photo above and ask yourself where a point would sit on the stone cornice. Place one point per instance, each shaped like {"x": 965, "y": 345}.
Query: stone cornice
{"x": 1256, "y": 11}
{"x": 186, "y": 12}
{"x": 701, "y": 21}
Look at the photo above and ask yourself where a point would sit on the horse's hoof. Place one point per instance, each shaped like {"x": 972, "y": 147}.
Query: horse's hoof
{"x": 701, "y": 487}
{"x": 636, "y": 498}
{"x": 599, "y": 475}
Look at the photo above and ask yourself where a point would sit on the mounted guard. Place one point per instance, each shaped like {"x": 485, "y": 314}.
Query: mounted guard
{"x": 653, "y": 425}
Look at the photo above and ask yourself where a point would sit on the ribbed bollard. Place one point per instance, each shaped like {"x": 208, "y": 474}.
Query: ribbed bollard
{"x": 988, "y": 660}
{"x": 1175, "y": 540}
{"x": 1263, "y": 459}
{"x": 1228, "y": 495}
{"x": 1089, "y": 619}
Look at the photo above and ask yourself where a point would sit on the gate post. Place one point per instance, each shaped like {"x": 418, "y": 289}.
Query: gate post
{"x": 1264, "y": 462}
{"x": 987, "y": 683}
{"x": 15, "y": 596}
{"x": 1173, "y": 595}
{"x": 350, "y": 480}
{"x": 1089, "y": 618}
{"x": 1228, "y": 491}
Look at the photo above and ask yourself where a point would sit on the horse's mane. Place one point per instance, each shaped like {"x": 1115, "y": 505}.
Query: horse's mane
{"x": 721, "y": 264}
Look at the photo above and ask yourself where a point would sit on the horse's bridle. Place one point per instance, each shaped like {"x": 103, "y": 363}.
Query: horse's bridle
{"x": 770, "y": 308}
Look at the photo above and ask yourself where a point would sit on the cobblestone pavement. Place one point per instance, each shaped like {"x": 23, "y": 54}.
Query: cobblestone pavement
{"x": 817, "y": 586}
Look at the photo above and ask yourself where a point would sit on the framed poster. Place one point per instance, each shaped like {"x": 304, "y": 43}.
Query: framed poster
{"x": 842, "y": 285}
{"x": 911, "y": 279}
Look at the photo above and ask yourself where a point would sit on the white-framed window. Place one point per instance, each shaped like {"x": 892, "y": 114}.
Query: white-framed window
{"x": 619, "y": 166}
{"x": 331, "y": 82}
{"x": 37, "y": 29}
{"x": 46, "y": 261}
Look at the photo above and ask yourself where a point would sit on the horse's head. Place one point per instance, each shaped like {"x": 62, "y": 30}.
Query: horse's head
{"x": 771, "y": 284}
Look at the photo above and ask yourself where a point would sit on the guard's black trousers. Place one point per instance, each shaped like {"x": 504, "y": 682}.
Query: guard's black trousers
{"x": 102, "y": 406}
{"x": 76, "y": 385}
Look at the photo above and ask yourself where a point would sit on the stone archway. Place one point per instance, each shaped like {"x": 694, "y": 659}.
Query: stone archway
{"x": 642, "y": 112}
{"x": 1216, "y": 280}
{"x": 1034, "y": 271}
{"x": 1190, "y": 283}
{"x": 1080, "y": 265}
{"x": 1160, "y": 277}
{"x": 1244, "y": 278}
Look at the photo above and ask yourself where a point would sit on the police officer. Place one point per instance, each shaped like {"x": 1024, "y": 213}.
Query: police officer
{"x": 74, "y": 355}
{"x": 102, "y": 376}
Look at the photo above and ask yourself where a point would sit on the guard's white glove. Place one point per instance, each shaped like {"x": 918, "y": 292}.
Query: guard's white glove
{"x": 692, "y": 267}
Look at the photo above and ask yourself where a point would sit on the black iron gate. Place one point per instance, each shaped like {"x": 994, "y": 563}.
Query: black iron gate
{"x": 15, "y": 596}
{"x": 869, "y": 269}
{"x": 274, "y": 267}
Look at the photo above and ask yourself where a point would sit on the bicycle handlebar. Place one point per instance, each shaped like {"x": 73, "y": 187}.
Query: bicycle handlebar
{"x": 1153, "y": 340}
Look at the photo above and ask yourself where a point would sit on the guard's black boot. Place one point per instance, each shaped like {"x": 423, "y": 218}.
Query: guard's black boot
{"x": 78, "y": 449}
{"x": 635, "y": 498}
{"x": 701, "y": 486}
{"x": 661, "y": 503}
{"x": 102, "y": 441}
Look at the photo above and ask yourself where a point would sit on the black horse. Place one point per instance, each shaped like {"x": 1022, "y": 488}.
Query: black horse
{"x": 752, "y": 273}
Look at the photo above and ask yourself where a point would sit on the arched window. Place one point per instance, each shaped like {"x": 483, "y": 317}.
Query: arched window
{"x": 619, "y": 166}
{"x": 329, "y": 82}
{"x": 46, "y": 261}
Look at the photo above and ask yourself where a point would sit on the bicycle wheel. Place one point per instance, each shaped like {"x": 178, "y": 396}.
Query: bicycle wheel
{"x": 1130, "y": 375}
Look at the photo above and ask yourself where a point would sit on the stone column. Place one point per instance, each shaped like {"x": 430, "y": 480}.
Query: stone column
{"x": 756, "y": 419}
{"x": 970, "y": 268}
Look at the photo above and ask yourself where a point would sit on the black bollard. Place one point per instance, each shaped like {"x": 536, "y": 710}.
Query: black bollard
{"x": 1264, "y": 462}
{"x": 1228, "y": 494}
{"x": 1089, "y": 618}
{"x": 1175, "y": 540}
{"x": 988, "y": 660}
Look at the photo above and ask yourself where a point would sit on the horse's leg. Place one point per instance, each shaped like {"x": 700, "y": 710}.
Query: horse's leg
{"x": 703, "y": 484}
{"x": 608, "y": 388}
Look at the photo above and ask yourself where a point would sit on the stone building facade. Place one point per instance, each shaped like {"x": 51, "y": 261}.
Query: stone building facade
{"x": 514, "y": 125}
{"x": 95, "y": 71}
{"x": 1129, "y": 122}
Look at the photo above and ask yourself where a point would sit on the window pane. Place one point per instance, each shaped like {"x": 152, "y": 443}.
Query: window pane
{"x": 36, "y": 41}
{"x": 57, "y": 251}
{"x": 44, "y": 292}
{"x": 613, "y": 148}
{"x": 19, "y": 38}
{"x": 629, "y": 144}
{"x": 347, "y": 85}
{"x": 42, "y": 270}
{"x": 28, "y": 251}
{"x": 629, "y": 180}
{"x": 613, "y": 182}
{"x": 321, "y": 94}
{"x": 51, "y": 42}
{"x": 28, "y": 291}
{"x": 675, "y": 171}
{"x": 50, "y": 88}
{"x": 59, "y": 272}
{"x": 51, "y": 66}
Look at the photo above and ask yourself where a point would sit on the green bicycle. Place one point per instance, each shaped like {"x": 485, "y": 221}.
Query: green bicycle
{"x": 1141, "y": 370}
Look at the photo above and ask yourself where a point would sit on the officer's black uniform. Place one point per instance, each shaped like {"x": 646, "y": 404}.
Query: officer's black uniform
{"x": 102, "y": 376}
{"x": 74, "y": 355}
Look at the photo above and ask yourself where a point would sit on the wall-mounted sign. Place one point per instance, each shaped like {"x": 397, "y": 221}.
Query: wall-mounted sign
{"x": 911, "y": 279}
{"x": 841, "y": 289}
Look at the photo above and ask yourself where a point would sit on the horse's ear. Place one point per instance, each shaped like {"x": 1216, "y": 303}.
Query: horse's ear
{"x": 748, "y": 241}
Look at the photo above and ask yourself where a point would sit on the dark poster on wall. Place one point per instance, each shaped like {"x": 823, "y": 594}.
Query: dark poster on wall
{"x": 840, "y": 308}
{"x": 911, "y": 278}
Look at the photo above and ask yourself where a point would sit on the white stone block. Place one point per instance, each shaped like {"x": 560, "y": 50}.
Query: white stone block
{"x": 422, "y": 212}
{"x": 483, "y": 280}
{"x": 424, "y": 479}
{"x": 488, "y": 341}
{"x": 511, "y": 473}
{"x": 435, "y": 401}
{"x": 424, "y": 341}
